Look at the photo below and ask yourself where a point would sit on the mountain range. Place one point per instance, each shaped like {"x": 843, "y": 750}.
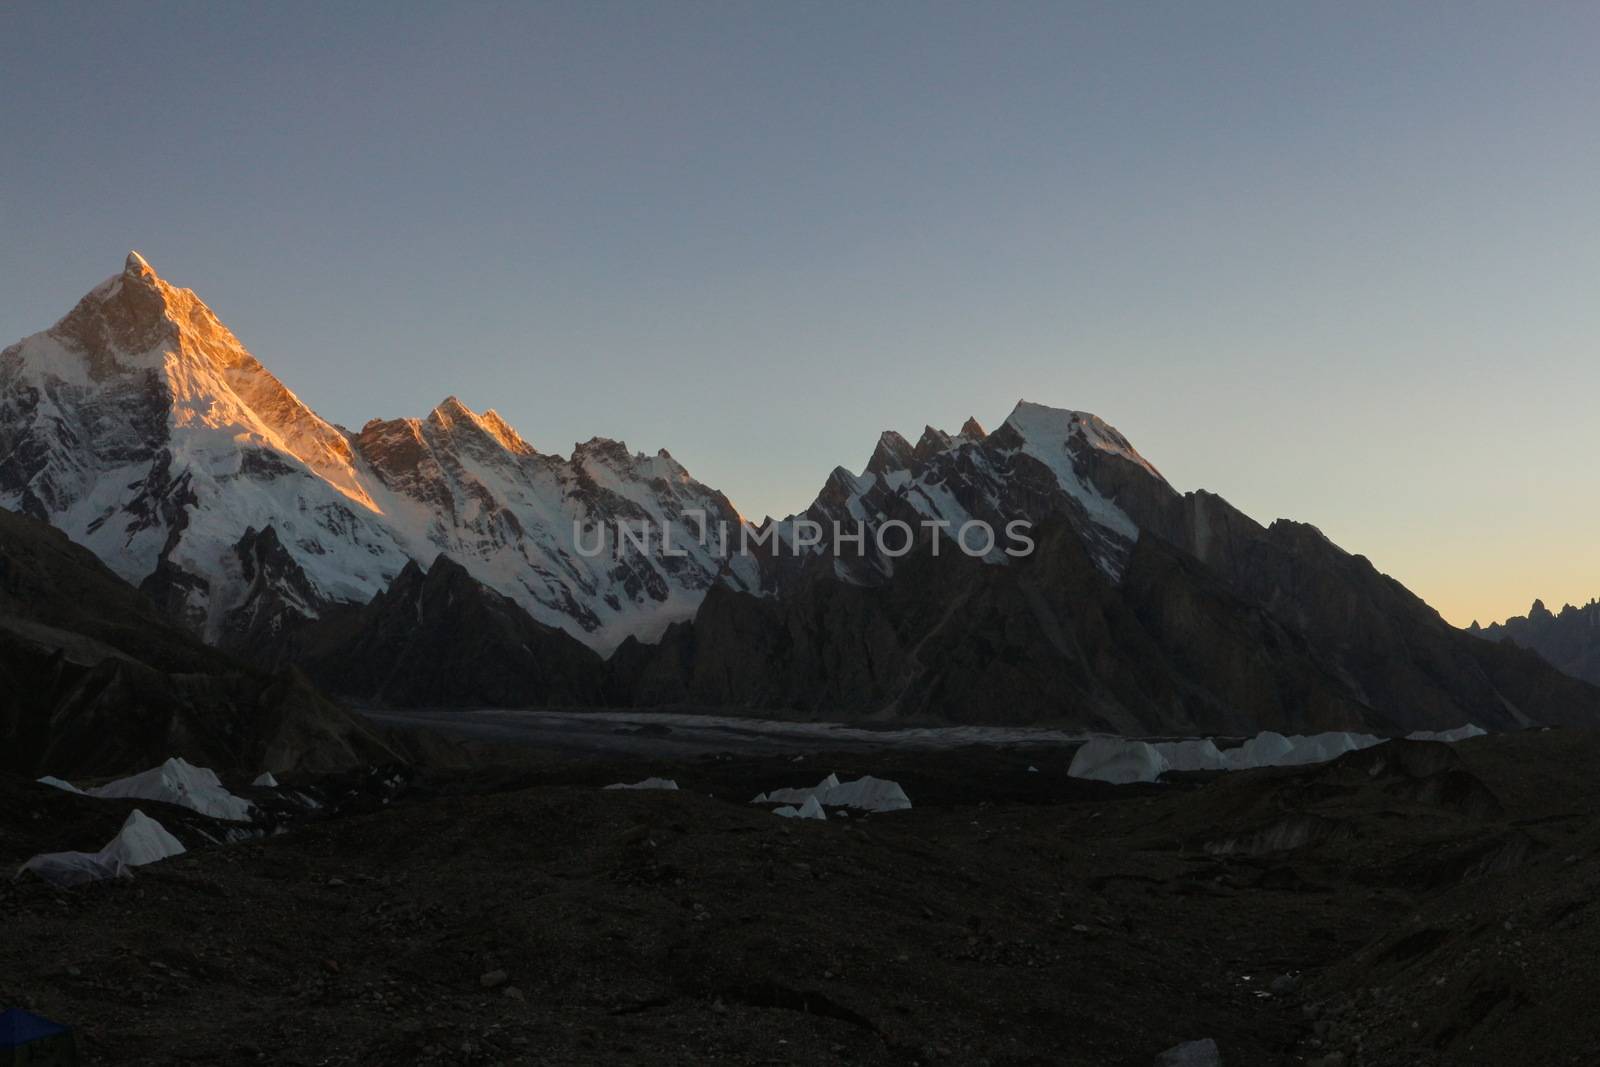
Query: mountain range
{"x": 1569, "y": 638}
{"x": 444, "y": 560}
{"x": 142, "y": 427}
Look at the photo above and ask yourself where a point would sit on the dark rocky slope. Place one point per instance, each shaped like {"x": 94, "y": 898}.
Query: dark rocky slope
{"x": 1396, "y": 653}
{"x": 441, "y": 638}
{"x": 1393, "y": 651}
{"x": 93, "y": 681}
{"x": 1282, "y": 630}
{"x": 1049, "y": 639}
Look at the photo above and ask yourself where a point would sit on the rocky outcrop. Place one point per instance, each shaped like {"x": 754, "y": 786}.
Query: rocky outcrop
{"x": 441, "y": 638}
{"x": 278, "y": 599}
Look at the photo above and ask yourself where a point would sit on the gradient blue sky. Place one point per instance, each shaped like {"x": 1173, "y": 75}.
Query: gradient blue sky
{"x": 1337, "y": 262}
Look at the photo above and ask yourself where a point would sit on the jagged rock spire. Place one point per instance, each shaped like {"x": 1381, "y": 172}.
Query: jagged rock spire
{"x": 893, "y": 453}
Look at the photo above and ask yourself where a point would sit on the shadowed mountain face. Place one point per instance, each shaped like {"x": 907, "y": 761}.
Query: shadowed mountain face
{"x": 1569, "y": 639}
{"x": 1048, "y": 640}
{"x": 1393, "y": 650}
{"x": 94, "y": 681}
{"x": 1174, "y": 647}
{"x": 444, "y": 639}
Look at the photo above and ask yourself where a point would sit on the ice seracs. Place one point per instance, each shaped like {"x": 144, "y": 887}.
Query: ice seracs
{"x": 1460, "y": 733}
{"x": 142, "y": 840}
{"x": 1266, "y": 749}
{"x": 1123, "y": 761}
{"x": 1320, "y": 748}
{"x": 868, "y": 794}
{"x": 1108, "y": 759}
{"x": 1191, "y": 755}
{"x": 179, "y": 782}
{"x": 865, "y": 793}
{"x": 811, "y": 809}
{"x": 176, "y": 781}
{"x": 798, "y": 795}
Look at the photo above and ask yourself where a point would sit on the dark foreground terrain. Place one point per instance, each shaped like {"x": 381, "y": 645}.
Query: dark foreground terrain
{"x": 1410, "y": 904}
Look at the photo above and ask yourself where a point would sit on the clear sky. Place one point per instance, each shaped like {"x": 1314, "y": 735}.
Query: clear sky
{"x": 1337, "y": 262}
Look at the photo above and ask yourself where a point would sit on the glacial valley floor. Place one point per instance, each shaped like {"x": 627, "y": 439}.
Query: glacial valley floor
{"x": 1410, "y": 904}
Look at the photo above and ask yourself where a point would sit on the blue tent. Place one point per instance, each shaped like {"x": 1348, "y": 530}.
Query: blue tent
{"x": 26, "y": 1038}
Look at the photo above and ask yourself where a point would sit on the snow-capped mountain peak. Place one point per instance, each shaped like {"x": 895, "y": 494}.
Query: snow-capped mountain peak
{"x": 143, "y": 427}
{"x": 501, "y": 431}
{"x": 1047, "y": 429}
{"x": 487, "y": 435}
{"x": 1042, "y": 463}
